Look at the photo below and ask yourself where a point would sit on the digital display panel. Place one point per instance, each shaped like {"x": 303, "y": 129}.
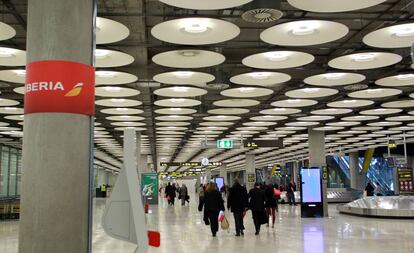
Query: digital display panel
{"x": 311, "y": 185}
{"x": 219, "y": 182}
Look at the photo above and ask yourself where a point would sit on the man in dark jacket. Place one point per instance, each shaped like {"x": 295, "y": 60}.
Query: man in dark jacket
{"x": 257, "y": 205}
{"x": 237, "y": 201}
{"x": 291, "y": 193}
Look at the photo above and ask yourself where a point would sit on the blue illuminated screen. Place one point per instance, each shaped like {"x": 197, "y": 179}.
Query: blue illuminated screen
{"x": 219, "y": 182}
{"x": 311, "y": 186}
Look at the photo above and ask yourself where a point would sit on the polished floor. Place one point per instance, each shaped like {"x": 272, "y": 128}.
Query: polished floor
{"x": 182, "y": 231}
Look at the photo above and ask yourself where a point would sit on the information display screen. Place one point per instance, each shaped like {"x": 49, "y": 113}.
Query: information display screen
{"x": 219, "y": 182}
{"x": 311, "y": 185}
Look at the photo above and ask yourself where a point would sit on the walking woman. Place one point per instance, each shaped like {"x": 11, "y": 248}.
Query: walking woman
{"x": 213, "y": 204}
{"x": 257, "y": 205}
{"x": 270, "y": 204}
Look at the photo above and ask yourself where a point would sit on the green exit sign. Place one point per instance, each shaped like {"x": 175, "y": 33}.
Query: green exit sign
{"x": 225, "y": 143}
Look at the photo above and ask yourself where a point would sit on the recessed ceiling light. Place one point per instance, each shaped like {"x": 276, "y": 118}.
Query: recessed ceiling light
{"x": 404, "y": 30}
{"x": 304, "y": 28}
{"x": 334, "y": 76}
{"x": 260, "y": 75}
{"x": 180, "y": 89}
{"x": 117, "y": 100}
{"x": 247, "y": 89}
{"x": 277, "y": 56}
{"x": 20, "y": 72}
{"x": 311, "y": 90}
{"x": 183, "y": 74}
{"x": 105, "y": 74}
{"x": 101, "y": 53}
{"x": 6, "y": 52}
{"x": 194, "y": 25}
{"x": 175, "y": 109}
{"x": 112, "y": 89}
{"x": 121, "y": 109}
{"x": 404, "y": 77}
{"x": 374, "y": 90}
{"x": 349, "y": 101}
{"x": 363, "y": 57}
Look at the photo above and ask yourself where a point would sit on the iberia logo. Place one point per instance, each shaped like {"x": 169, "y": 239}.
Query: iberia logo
{"x": 75, "y": 91}
{"x": 54, "y": 86}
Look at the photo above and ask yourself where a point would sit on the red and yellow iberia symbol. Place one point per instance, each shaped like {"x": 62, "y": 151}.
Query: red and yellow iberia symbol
{"x": 59, "y": 86}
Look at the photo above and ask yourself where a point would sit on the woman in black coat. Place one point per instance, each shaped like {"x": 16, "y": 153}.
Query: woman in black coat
{"x": 257, "y": 205}
{"x": 213, "y": 204}
{"x": 271, "y": 204}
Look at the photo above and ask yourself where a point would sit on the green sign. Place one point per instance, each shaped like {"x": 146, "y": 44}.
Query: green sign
{"x": 149, "y": 187}
{"x": 225, "y": 143}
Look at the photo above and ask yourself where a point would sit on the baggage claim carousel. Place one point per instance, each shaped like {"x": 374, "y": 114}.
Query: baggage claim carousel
{"x": 385, "y": 207}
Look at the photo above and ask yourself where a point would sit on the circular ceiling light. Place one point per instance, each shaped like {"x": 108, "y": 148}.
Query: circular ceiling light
{"x": 304, "y": 33}
{"x": 195, "y": 31}
{"x": 246, "y": 92}
{"x": 105, "y": 77}
{"x": 399, "y": 104}
{"x": 292, "y": 103}
{"x": 334, "y": 79}
{"x": 343, "y": 123}
{"x": 280, "y": 111}
{"x": 397, "y": 36}
{"x": 6, "y": 31}
{"x": 12, "y": 57}
{"x": 172, "y": 123}
{"x": 228, "y": 111}
{"x": 290, "y": 128}
{"x": 183, "y": 78}
{"x": 115, "y": 91}
{"x": 380, "y": 111}
{"x": 133, "y": 128}
{"x": 260, "y": 78}
{"x": 311, "y": 93}
{"x": 268, "y": 118}
{"x": 11, "y": 110}
{"x": 109, "y": 58}
{"x": 384, "y": 124}
{"x": 328, "y": 128}
{"x": 302, "y": 123}
{"x": 174, "y": 118}
{"x": 278, "y": 60}
{"x": 188, "y": 58}
{"x": 333, "y": 5}
{"x": 205, "y": 5}
{"x": 350, "y": 103}
{"x": 236, "y": 102}
{"x": 175, "y": 111}
{"x": 316, "y": 118}
{"x": 332, "y": 111}
{"x": 401, "y": 118}
{"x": 360, "y": 118}
{"x": 177, "y": 102}
{"x": 125, "y": 118}
{"x": 375, "y": 93}
{"x": 15, "y": 117}
{"x": 222, "y": 118}
{"x": 128, "y": 124}
{"x": 397, "y": 80}
{"x": 216, "y": 123}
{"x": 362, "y": 61}
{"x": 367, "y": 128}
{"x": 110, "y": 31}
{"x": 122, "y": 111}
{"x": 13, "y": 75}
{"x": 8, "y": 102}
{"x": 118, "y": 102}
{"x": 180, "y": 92}
{"x": 259, "y": 123}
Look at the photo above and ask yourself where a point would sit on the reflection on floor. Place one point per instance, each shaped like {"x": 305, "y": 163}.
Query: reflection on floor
{"x": 182, "y": 231}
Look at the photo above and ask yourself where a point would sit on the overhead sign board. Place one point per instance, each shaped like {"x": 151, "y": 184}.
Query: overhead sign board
{"x": 225, "y": 144}
{"x": 190, "y": 164}
{"x": 278, "y": 143}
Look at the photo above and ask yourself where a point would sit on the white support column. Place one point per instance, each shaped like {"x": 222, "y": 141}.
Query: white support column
{"x": 317, "y": 158}
{"x": 354, "y": 170}
{"x": 223, "y": 173}
{"x": 250, "y": 171}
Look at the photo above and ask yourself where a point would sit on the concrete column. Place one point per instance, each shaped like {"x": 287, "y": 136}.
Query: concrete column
{"x": 57, "y": 147}
{"x": 144, "y": 166}
{"x": 250, "y": 170}
{"x": 317, "y": 158}
{"x": 354, "y": 170}
{"x": 223, "y": 173}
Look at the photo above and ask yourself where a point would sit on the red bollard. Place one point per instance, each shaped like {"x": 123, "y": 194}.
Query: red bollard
{"x": 146, "y": 207}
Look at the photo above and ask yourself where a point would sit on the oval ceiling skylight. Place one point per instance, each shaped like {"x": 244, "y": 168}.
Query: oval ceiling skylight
{"x": 260, "y": 78}
{"x": 278, "y": 60}
{"x": 362, "y": 61}
{"x": 183, "y": 77}
{"x": 334, "y": 79}
{"x": 304, "y": 33}
{"x": 188, "y": 58}
{"x": 396, "y": 36}
{"x": 195, "y": 31}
